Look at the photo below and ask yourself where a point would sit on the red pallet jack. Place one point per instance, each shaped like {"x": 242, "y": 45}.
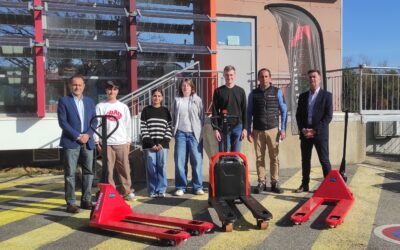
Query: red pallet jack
{"x": 332, "y": 190}
{"x": 113, "y": 213}
{"x": 229, "y": 183}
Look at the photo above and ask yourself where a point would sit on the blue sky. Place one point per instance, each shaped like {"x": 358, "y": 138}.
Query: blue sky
{"x": 371, "y": 30}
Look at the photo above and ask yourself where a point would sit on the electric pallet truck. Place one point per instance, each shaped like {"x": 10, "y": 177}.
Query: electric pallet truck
{"x": 229, "y": 181}
{"x": 113, "y": 213}
{"x": 332, "y": 190}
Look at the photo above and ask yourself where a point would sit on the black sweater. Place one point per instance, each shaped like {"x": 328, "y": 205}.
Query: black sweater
{"x": 232, "y": 99}
{"x": 155, "y": 126}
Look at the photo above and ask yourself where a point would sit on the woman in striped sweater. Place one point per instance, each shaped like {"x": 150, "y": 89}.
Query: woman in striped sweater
{"x": 156, "y": 133}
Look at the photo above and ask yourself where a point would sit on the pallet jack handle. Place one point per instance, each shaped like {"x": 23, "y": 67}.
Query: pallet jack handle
{"x": 227, "y": 122}
{"x": 104, "y": 136}
{"x": 342, "y": 169}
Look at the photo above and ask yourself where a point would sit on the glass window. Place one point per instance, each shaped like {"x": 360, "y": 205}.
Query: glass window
{"x": 17, "y": 84}
{"x": 67, "y": 25}
{"x": 233, "y": 33}
{"x": 96, "y": 66}
{"x": 17, "y": 81}
{"x": 92, "y": 2}
{"x": 94, "y": 63}
{"x": 165, "y": 30}
{"x": 182, "y": 5}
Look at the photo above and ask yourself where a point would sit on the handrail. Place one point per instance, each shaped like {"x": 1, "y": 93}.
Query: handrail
{"x": 363, "y": 66}
{"x": 156, "y": 83}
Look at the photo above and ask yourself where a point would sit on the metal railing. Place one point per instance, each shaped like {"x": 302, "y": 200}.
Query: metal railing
{"x": 366, "y": 90}
{"x": 205, "y": 81}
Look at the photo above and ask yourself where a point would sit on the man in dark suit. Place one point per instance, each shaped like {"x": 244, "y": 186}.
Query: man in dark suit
{"x": 74, "y": 114}
{"x": 313, "y": 115}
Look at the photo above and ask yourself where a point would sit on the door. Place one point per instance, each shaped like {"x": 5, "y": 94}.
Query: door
{"x": 235, "y": 46}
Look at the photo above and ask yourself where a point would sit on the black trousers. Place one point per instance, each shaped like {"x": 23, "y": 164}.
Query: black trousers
{"x": 322, "y": 147}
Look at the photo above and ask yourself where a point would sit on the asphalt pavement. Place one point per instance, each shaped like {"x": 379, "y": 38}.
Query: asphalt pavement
{"x": 32, "y": 216}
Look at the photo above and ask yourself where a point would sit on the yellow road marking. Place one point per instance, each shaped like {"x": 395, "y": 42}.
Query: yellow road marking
{"x": 31, "y": 209}
{"x": 29, "y": 191}
{"x": 13, "y": 183}
{"x": 355, "y": 232}
{"x": 46, "y": 234}
{"x": 245, "y": 235}
{"x": 34, "y": 208}
{"x": 58, "y": 230}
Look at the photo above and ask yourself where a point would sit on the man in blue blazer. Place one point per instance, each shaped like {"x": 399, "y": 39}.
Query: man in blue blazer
{"x": 74, "y": 114}
{"x": 313, "y": 115}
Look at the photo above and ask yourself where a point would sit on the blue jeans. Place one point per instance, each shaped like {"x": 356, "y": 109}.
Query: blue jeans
{"x": 233, "y": 140}
{"x": 187, "y": 146}
{"x": 156, "y": 170}
{"x": 71, "y": 157}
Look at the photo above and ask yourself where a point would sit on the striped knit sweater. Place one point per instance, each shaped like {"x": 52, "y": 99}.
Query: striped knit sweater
{"x": 155, "y": 125}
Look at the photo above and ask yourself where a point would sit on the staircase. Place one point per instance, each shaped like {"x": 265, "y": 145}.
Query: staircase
{"x": 205, "y": 81}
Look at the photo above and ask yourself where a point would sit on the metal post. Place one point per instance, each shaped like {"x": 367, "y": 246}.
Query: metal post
{"x": 360, "y": 91}
{"x": 342, "y": 169}
{"x": 149, "y": 97}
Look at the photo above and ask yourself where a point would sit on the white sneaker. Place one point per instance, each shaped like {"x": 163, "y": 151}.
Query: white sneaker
{"x": 199, "y": 192}
{"x": 153, "y": 195}
{"x": 130, "y": 197}
{"x": 161, "y": 195}
{"x": 179, "y": 192}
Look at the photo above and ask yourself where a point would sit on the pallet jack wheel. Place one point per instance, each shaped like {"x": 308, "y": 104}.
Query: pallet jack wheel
{"x": 168, "y": 243}
{"x": 227, "y": 227}
{"x": 332, "y": 226}
{"x": 193, "y": 232}
{"x": 262, "y": 224}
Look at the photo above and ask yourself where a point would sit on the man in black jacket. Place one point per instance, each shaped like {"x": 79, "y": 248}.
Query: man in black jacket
{"x": 313, "y": 115}
{"x": 231, "y": 98}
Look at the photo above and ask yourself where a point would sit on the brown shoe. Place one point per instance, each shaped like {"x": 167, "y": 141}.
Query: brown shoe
{"x": 86, "y": 205}
{"x": 72, "y": 208}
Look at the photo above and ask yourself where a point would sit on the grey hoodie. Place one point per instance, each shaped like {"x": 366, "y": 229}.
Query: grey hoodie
{"x": 196, "y": 115}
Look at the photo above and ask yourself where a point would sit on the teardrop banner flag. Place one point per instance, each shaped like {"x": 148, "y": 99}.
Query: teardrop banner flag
{"x": 302, "y": 38}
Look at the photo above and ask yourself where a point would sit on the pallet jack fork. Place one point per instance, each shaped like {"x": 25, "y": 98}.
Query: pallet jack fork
{"x": 113, "y": 213}
{"x": 332, "y": 190}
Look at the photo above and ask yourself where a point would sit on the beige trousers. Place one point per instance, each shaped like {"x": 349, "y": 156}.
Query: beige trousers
{"x": 118, "y": 157}
{"x": 263, "y": 139}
